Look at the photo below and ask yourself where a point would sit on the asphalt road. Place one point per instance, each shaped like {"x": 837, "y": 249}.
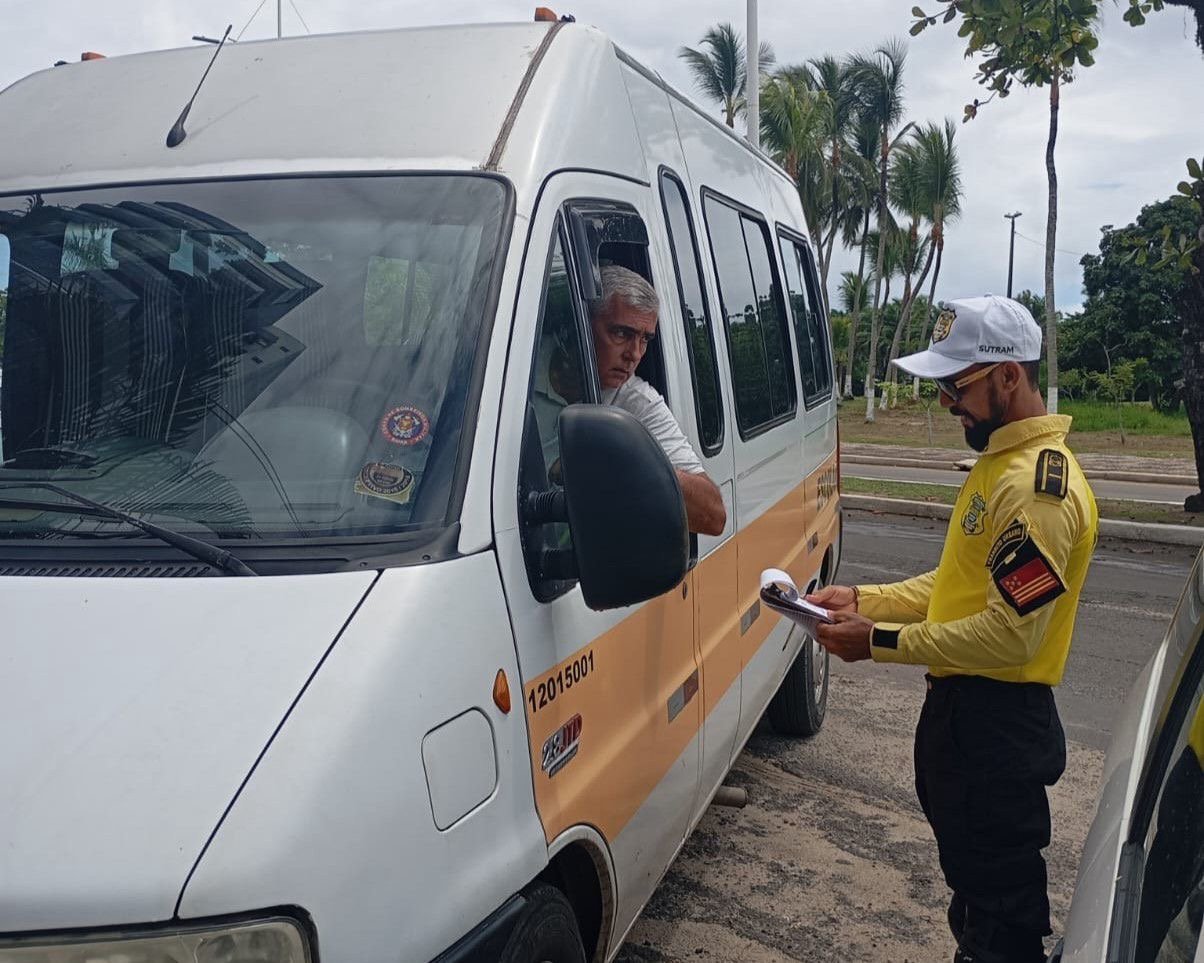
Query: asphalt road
{"x": 831, "y": 860}
{"x": 1103, "y": 488}
{"x": 1131, "y": 592}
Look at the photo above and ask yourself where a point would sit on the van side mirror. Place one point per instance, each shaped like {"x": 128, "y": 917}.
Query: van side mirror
{"x": 624, "y": 507}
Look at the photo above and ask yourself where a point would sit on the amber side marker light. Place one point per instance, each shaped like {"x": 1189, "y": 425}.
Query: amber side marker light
{"x": 91, "y": 55}
{"x": 545, "y": 15}
{"x": 501, "y": 691}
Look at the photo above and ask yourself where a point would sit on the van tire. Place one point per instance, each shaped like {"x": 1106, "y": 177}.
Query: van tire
{"x": 800, "y": 704}
{"x": 546, "y": 931}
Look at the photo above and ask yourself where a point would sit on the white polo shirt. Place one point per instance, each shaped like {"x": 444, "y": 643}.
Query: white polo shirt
{"x": 642, "y": 400}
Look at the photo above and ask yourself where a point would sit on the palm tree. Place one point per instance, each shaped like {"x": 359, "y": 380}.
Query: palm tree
{"x": 939, "y": 189}
{"x": 831, "y": 77}
{"x": 720, "y": 70}
{"x": 878, "y": 80}
{"x": 914, "y": 254}
{"x": 793, "y": 125}
{"x": 856, "y": 219}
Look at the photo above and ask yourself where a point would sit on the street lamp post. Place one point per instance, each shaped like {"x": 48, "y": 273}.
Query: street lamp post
{"x": 1011, "y": 248}
{"x": 752, "y": 78}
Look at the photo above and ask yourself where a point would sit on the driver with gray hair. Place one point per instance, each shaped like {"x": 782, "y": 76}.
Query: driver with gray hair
{"x": 623, "y": 322}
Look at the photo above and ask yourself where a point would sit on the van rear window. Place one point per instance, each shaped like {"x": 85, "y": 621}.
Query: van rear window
{"x": 754, "y": 315}
{"x": 810, "y": 331}
{"x": 282, "y": 359}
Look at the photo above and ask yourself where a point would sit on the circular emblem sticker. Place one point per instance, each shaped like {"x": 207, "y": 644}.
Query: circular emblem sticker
{"x": 385, "y": 481}
{"x": 405, "y": 425}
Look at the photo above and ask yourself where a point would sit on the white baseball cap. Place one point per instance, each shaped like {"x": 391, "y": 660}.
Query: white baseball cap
{"x": 975, "y": 330}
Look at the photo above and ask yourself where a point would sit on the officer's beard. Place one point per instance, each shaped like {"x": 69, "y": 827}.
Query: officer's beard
{"x": 978, "y": 435}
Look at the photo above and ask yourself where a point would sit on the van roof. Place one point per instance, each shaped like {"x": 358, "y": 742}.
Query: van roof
{"x": 336, "y": 102}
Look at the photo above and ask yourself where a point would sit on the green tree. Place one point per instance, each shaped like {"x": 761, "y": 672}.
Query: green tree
{"x": 1034, "y": 43}
{"x": 1133, "y": 306}
{"x": 878, "y": 81}
{"x": 720, "y": 70}
{"x": 1184, "y": 251}
{"x": 1135, "y": 15}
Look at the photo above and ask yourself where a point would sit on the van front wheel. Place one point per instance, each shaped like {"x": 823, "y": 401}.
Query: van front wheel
{"x": 801, "y": 702}
{"x": 546, "y": 931}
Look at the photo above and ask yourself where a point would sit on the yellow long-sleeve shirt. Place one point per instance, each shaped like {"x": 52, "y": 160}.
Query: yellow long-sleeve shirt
{"x": 1001, "y": 603}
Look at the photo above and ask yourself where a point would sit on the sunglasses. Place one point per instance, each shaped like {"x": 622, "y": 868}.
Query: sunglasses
{"x": 953, "y": 389}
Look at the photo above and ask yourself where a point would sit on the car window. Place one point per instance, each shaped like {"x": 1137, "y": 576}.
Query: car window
{"x": 754, "y": 317}
{"x": 1172, "y": 890}
{"x": 558, "y": 379}
{"x": 810, "y": 332}
{"x": 704, "y": 370}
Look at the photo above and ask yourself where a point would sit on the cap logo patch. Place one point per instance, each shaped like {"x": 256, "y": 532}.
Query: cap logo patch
{"x": 972, "y": 523}
{"x": 944, "y": 324}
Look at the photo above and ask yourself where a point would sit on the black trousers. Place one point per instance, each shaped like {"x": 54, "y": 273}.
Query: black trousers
{"x": 985, "y": 752}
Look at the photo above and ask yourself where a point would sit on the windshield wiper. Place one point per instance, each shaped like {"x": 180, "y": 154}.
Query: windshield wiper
{"x": 210, "y": 554}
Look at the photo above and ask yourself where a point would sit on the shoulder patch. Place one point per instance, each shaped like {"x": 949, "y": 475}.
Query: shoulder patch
{"x": 1053, "y": 473}
{"x": 1021, "y": 571}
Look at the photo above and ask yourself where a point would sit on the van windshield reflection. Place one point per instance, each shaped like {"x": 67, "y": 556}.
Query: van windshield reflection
{"x": 261, "y": 359}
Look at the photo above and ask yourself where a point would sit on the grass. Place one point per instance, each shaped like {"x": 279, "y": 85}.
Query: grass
{"x": 1139, "y": 418}
{"x": 947, "y": 495}
{"x": 1091, "y": 431}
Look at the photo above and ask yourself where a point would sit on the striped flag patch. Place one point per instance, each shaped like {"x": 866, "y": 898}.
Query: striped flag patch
{"x": 1025, "y": 578}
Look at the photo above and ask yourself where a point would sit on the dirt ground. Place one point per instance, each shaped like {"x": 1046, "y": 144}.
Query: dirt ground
{"x": 832, "y": 859}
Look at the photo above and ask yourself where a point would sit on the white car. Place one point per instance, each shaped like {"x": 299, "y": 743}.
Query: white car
{"x": 1139, "y": 897}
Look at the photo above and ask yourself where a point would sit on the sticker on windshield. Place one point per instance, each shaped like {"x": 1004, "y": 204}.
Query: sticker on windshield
{"x": 405, "y": 425}
{"x": 383, "y": 480}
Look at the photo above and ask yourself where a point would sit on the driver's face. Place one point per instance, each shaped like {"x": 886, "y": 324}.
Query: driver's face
{"x": 621, "y": 336}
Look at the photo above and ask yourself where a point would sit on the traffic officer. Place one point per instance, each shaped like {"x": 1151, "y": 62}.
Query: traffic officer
{"x": 993, "y": 624}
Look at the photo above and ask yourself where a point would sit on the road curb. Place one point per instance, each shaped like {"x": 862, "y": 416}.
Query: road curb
{"x": 1108, "y": 527}
{"x": 1129, "y": 476}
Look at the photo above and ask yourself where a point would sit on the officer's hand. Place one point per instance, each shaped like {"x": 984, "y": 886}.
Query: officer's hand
{"x": 835, "y": 598}
{"x": 849, "y": 638}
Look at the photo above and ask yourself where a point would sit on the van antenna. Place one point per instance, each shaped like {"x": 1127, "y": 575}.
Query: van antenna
{"x": 176, "y": 135}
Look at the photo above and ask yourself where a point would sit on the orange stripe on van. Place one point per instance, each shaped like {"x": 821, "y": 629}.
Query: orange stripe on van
{"x": 621, "y": 688}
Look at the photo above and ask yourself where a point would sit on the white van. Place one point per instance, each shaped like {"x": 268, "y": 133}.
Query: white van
{"x": 463, "y": 713}
{"x": 1139, "y": 897}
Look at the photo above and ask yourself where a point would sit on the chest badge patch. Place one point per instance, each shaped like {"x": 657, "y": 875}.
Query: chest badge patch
{"x": 944, "y": 324}
{"x": 972, "y": 520}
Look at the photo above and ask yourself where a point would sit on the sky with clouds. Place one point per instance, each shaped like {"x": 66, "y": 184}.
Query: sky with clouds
{"x": 1127, "y": 124}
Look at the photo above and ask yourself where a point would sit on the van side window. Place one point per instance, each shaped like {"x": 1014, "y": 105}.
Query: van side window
{"x": 810, "y": 332}
{"x": 754, "y": 316}
{"x": 704, "y": 371}
{"x": 558, "y": 379}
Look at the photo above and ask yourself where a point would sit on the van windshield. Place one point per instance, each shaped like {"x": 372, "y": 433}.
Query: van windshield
{"x": 285, "y": 358}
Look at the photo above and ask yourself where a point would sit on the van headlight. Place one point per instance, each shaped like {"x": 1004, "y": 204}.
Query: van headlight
{"x": 277, "y": 940}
